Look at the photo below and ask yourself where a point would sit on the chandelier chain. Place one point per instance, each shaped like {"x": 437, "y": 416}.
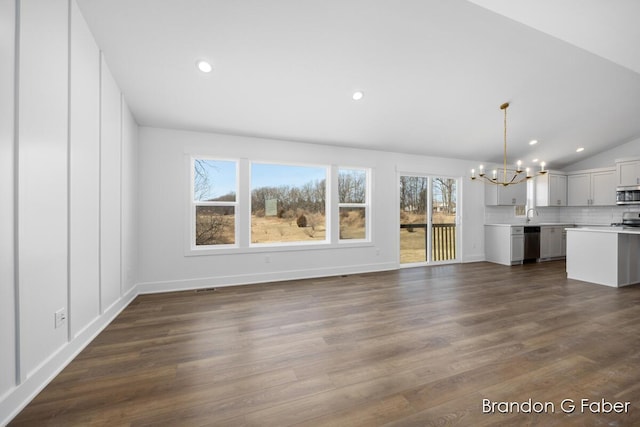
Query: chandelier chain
{"x": 506, "y": 106}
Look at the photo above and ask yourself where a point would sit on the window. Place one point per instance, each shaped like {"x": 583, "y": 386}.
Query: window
{"x": 353, "y": 203}
{"x": 245, "y": 206}
{"x": 288, "y": 203}
{"x": 214, "y": 202}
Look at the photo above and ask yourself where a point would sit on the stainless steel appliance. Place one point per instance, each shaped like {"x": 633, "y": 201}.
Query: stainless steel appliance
{"x": 629, "y": 220}
{"x": 531, "y": 243}
{"x": 628, "y": 195}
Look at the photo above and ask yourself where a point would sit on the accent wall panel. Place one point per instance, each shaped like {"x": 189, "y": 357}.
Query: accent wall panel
{"x": 129, "y": 198}
{"x": 84, "y": 173}
{"x": 110, "y": 184}
{"x": 7, "y": 182}
{"x": 42, "y": 178}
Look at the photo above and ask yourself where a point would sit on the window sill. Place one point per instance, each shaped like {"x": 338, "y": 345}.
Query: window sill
{"x": 275, "y": 247}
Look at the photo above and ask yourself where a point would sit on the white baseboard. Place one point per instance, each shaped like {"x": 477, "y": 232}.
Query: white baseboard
{"x": 474, "y": 258}
{"x": 246, "y": 279}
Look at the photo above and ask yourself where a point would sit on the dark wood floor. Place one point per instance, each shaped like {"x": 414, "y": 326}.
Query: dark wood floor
{"x": 420, "y": 346}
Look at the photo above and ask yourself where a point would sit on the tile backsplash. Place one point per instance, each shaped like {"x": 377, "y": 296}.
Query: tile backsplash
{"x": 601, "y": 215}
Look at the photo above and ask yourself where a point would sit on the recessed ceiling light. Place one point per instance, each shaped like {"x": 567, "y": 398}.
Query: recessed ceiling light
{"x": 204, "y": 66}
{"x": 357, "y": 96}
{"x": 535, "y": 160}
{"x": 579, "y": 149}
{"x": 533, "y": 142}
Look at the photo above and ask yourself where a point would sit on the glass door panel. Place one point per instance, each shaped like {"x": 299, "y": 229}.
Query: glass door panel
{"x": 443, "y": 219}
{"x": 413, "y": 219}
{"x": 428, "y": 219}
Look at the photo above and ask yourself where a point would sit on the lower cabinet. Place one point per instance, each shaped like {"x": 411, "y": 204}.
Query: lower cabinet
{"x": 552, "y": 242}
{"x": 517, "y": 248}
{"x": 504, "y": 244}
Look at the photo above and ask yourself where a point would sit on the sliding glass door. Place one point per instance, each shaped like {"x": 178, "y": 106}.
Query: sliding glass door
{"x": 428, "y": 219}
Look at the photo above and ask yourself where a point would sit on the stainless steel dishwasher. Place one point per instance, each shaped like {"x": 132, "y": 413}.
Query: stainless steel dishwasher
{"x": 531, "y": 243}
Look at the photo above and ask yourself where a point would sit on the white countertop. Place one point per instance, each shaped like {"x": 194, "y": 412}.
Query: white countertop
{"x": 606, "y": 229}
{"x": 533, "y": 224}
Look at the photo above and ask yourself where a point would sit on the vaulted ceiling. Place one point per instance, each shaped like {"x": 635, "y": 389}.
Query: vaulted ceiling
{"x": 433, "y": 72}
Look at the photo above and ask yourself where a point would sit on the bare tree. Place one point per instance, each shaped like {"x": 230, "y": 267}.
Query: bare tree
{"x": 413, "y": 194}
{"x": 446, "y": 188}
{"x": 211, "y": 224}
{"x": 309, "y": 197}
{"x": 352, "y": 186}
{"x": 201, "y": 182}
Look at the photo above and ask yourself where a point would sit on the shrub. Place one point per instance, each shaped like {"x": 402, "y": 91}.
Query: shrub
{"x": 301, "y": 221}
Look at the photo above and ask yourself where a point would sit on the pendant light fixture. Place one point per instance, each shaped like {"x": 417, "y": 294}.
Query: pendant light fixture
{"x": 507, "y": 176}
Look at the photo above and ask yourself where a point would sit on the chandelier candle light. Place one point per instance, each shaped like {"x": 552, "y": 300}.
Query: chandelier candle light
{"x": 509, "y": 176}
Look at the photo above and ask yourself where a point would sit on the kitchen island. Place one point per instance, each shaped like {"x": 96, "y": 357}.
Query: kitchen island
{"x": 607, "y": 256}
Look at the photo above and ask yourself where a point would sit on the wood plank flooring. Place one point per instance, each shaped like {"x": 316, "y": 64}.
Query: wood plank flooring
{"x": 414, "y": 347}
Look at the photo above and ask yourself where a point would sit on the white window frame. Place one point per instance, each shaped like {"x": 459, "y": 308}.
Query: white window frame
{"x": 366, "y": 205}
{"x": 195, "y": 203}
{"x": 242, "y": 209}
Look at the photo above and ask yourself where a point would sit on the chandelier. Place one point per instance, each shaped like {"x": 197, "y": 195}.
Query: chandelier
{"x": 507, "y": 176}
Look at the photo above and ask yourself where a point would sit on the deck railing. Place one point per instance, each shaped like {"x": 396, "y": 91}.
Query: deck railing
{"x": 443, "y": 240}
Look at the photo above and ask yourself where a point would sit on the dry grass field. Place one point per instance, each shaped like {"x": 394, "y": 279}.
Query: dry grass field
{"x": 273, "y": 229}
{"x": 412, "y": 241}
{"x": 412, "y": 245}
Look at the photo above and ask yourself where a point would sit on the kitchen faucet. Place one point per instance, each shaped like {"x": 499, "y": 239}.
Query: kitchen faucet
{"x": 527, "y": 214}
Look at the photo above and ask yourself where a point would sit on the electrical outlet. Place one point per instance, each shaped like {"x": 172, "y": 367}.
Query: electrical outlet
{"x": 60, "y": 317}
{"x": 267, "y": 259}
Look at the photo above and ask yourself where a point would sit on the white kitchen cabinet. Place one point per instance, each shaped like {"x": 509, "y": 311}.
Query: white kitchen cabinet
{"x": 628, "y": 172}
{"x": 504, "y": 244}
{"x": 603, "y": 188}
{"x": 499, "y": 195}
{"x": 551, "y": 242}
{"x": 579, "y": 189}
{"x": 603, "y": 255}
{"x": 517, "y": 244}
{"x": 593, "y": 188}
{"x": 564, "y": 240}
{"x": 551, "y": 190}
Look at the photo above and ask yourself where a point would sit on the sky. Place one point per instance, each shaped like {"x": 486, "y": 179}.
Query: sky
{"x": 274, "y": 175}
{"x": 222, "y": 176}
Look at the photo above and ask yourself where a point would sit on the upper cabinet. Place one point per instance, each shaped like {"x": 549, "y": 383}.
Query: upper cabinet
{"x": 628, "y": 172}
{"x": 551, "y": 190}
{"x": 594, "y": 188}
{"x": 499, "y": 195}
{"x": 579, "y": 189}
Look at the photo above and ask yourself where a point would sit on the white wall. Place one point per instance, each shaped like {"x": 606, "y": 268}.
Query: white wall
{"x": 7, "y": 255}
{"x": 129, "y": 199}
{"x": 607, "y": 158}
{"x": 42, "y": 179}
{"x": 580, "y": 215}
{"x": 164, "y": 186}
{"x": 61, "y": 198}
{"x": 84, "y": 175}
{"x": 110, "y": 204}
